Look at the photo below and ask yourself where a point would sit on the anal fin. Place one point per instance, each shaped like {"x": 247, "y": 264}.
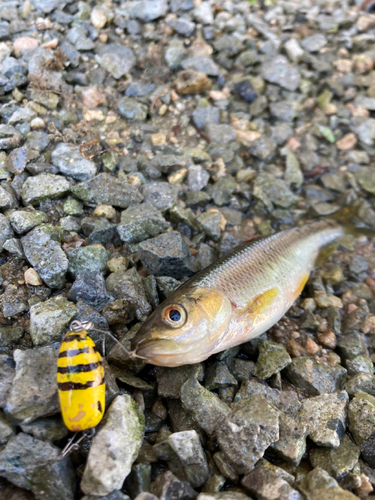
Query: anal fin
{"x": 262, "y": 302}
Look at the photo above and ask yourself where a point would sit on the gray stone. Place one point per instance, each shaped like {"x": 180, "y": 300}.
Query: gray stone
{"x": 207, "y": 409}
{"x": 218, "y": 376}
{"x": 14, "y": 247}
{"x": 166, "y": 486}
{"x": 220, "y": 133}
{"x": 315, "y": 378}
{"x": 43, "y": 250}
{"x": 182, "y": 26}
{"x": 49, "y": 319}
{"x": 266, "y": 485}
{"x": 118, "y": 60}
{"x": 7, "y": 199}
{"x": 7, "y": 373}
{"x": 46, "y": 429}
{"x": 359, "y": 364}
{"x": 291, "y": 445}
{"x": 44, "y": 186}
{"x": 70, "y": 162}
{"x": 161, "y": 195}
{"x": 293, "y": 50}
{"x": 325, "y": 418}
{"x": 90, "y": 258}
{"x": 139, "y": 222}
{"x": 175, "y": 53}
{"x": 269, "y": 189}
{"x": 9, "y": 136}
{"x": 90, "y": 287}
{"x": 336, "y": 461}
{"x": 247, "y": 432}
{"x": 365, "y": 177}
{"x": 263, "y": 148}
{"x": 7, "y": 429}
{"x": 107, "y": 190}
{"x": 185, "y": 456}
{"x": 170, "y": 380}
{"x": 204, "y": 115}
{"x": 10, "y": 335}
{"x": 278, "y": 70}
{"x": 6, "y": 231}
{"x": 34, "y": 390}
{"x": 118, "y": 495}
{"x": 318, "y": 484}
{"x": 132, "y": 110}
{"x": 241, "y": 368}
{"x": 314, "y": 43}
{"x": 273, "y": 358}
{"x": 149, "y": 10}
{"x": 203, "y": 64}
{"x": 284, "y": 110}
{"x": 203, "y": 13}
{"x": 361, "y": 415}
{"x": 114, "y": 448}
{"x": 223, "y": 190}
{"x": 167, "y": 254}
{"x": 100, "y": 230}
{"x": 361, "y": 381}
{"x": 40, "y": 468}
{"x": 23, "y": 221}
{"x": 210, "y": 224}
{"x": 128, "y": 285}
{"x": 352, "y": 344}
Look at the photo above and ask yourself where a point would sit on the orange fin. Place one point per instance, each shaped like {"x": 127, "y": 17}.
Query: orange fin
{"x": 262, "y": 302}
{"x": 302, "y": 284}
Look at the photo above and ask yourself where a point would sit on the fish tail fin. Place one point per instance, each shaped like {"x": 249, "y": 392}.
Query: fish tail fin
{"x": 357, "y": 218}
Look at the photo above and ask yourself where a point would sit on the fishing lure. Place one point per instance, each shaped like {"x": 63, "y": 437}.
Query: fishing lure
{"x": 237, "y": 298}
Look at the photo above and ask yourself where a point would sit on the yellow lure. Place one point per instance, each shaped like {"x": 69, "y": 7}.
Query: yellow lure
{"x": 80, "y": 380}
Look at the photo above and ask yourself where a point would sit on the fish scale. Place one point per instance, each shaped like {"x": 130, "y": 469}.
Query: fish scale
{"x": 235, "y": 299}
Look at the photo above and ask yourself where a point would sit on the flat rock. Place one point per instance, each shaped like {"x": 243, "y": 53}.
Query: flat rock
{"x": 90, "y": 258}
{"x": 71, "y": 163}
{"x": 149, "y": 10}
{"x": 273, "y": 358}
{"x": 336, "y": 461}
{"x": 34, "y": 389}
{"x": 43, "y": 250}
{"x": 247, "y": 432}
{"x": 139, "y": 222}
{"x": 114, "y": 448}
{"x": 278, "y": 70}
{"x": 40, "y": 468}
{"x": 44, "y": 186}
{"x": 161, "y": 195}
{"x": 22, "y": 221}
{"x": 325, "y": 418}
{"x": 291, "y": 445}
{"x": 107, "y": 190}
{"x": 166, "y": 255}
{"x": 49, "y": 319}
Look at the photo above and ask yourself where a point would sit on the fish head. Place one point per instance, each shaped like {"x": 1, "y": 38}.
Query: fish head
{"x": 185, "y": 328}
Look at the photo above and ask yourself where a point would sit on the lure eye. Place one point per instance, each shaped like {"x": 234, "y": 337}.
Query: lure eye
{"x": 174, "y": 316}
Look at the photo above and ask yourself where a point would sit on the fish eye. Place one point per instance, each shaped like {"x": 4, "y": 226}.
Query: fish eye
{"x": 174, "y": 316}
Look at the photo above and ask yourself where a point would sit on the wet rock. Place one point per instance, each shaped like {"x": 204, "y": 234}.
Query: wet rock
{"x": 246, "y": 433}
{"x": 128, "y": 285}
{"x": 9, "y": 137}
{"x": 114, "y": 448}
{"x": 23, "y": 221}
{"x": 361, "y": 416}
{"x": 185, "y": 457}
{"x": 336, "y": 461}
{"x": 43, "y": 250}
{"x": 10, "y": 335}
{"x": 266, "y": 484}
{"x": 319, "y": 484}
{"x": 167, "y": 254}
{"x": 132, "y": 110}
{"x": 291, "y": 445}
{"x": 207, "y": 409}
{"x": 191, "y": 82}
{"x": 139, "y": 480}
{"x": 148, "y": 10}
{"x": 40, "y": 468}
{"x": 90, "y": 287}
{"x": 49, "y": 319}
{"x": 34, "y": 390}
{"x": 116, "y": 495}
{"x": 70, "y": 162}
{"x": 352, "y": 344}
{"x": 365, "y": 177}
{"x": 161, "y": 195}
{"x": 272, "y": 359}
{"x": 167, "y": 486}
{"x": 91, "y": 258}
{"x": 46, "y": 429}
{"x": 7, "y": 430}
{"x": 107, "y": 190}
{"x": 100, "y": 230}
{"x": 275, "y": 190}
{"x": 7, "y": 199}
{"x": 359, "y": 364}
{"x": 241, "y": 368}
{"x": 278, "y": 70}
{"x": 325, "y": 418}
{"x": 218, "y": 376}
{"x": 315, "y": 378}
{"x": 6, "y": 231}
{"x": 170, "y": 380}
{"x": 42, "y": 187}
{"x": 140, "y": 222}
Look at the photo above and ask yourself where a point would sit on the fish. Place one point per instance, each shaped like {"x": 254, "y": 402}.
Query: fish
{"x": 235, "y": 299}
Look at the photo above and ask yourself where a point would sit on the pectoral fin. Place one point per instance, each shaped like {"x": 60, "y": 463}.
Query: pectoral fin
{"x": 262, "y": 302}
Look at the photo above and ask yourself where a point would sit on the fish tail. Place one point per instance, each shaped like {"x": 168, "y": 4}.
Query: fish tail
{"x": 355, "y": 219}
